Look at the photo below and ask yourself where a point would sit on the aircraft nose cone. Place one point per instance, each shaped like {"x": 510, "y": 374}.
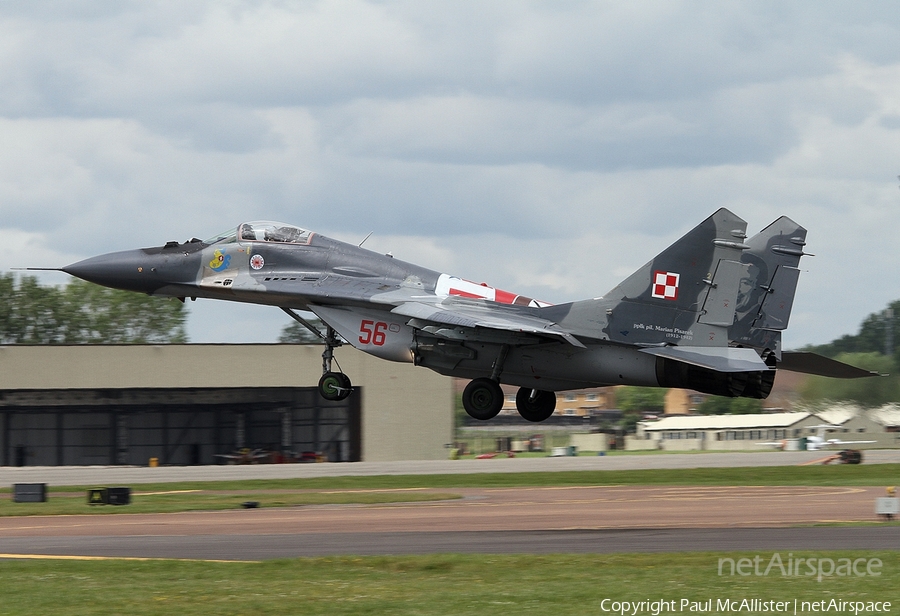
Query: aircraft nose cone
{"x": 130, "y": 270}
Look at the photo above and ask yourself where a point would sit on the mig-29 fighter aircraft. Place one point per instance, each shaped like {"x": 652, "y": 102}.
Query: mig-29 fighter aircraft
{"x": 705, "y": 314}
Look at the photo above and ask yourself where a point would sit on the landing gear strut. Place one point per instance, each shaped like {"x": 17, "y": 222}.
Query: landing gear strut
{"x": 332, "y": 385}
{"x": 483, "y": 398}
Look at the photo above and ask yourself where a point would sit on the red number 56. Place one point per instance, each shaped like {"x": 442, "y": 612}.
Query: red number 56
{"x": 371, "y": 332}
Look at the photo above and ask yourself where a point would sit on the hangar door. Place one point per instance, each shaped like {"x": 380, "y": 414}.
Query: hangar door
{"x": 186, "y": 426}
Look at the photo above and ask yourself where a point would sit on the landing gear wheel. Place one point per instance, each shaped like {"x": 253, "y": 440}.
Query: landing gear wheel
{"x": 482, "y": 399}
{"x": 535, "y": 405}
{"x": 335, "y": 386}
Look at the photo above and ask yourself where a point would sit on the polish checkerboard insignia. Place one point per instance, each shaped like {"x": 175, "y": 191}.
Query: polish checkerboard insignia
{"x": 665, "y": 285}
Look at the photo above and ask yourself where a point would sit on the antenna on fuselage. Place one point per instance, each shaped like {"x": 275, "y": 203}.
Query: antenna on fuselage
{"x": 365, "y": 238}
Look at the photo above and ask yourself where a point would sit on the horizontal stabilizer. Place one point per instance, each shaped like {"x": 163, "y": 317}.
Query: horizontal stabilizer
{"x": 812, "y": 363}
{"x": 720, "y": 359}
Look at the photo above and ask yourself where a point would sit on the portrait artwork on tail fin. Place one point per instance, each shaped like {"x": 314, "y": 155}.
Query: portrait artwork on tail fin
{"x": 766, "y": 293}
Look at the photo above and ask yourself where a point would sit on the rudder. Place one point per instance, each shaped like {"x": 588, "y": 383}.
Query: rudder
{"x": 766, "y": 294}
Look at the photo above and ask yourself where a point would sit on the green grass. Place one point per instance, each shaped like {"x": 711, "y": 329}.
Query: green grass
{"x": 192, "y": 499}
{"x": 473, "y": 584}
{"x": 208, "y": 495}
{"x": 820, "y": 475}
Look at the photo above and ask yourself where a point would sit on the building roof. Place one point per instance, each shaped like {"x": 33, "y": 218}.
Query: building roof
{"x": 726, "y": 422}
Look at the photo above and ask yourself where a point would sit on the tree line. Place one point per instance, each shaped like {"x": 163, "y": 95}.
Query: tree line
{"x": 873, "y": 347}
{"x": 84, "y": 313}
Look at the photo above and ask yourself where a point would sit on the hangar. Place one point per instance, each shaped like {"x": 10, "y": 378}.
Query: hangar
{"x": 199, "y": 403}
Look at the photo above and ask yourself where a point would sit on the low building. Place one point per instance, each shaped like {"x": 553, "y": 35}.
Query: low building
{"x": 202, "y": 403}
{"x": 683, "y": 401}
{"x": 721, "y": 432}
{"x": 863, "y": 428}
{"x": 576, "y": 403}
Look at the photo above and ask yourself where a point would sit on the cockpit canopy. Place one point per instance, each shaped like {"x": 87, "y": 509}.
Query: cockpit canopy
{"x": 264, "y": 231}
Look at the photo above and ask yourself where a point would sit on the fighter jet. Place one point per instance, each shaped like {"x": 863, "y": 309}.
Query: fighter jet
{"x": 705, "y": 314}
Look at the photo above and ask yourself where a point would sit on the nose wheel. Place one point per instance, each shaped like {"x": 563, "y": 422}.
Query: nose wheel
{"x": 332, "y": 385}
{"x": 335, "y": 386}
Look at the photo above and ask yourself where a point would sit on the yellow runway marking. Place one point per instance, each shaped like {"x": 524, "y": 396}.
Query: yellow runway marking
{"x": 133, "y": 558}
{"x": 169, "y": 492}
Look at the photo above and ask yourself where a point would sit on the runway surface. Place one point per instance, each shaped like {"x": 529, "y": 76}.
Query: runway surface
{"x": 503, "y": 520}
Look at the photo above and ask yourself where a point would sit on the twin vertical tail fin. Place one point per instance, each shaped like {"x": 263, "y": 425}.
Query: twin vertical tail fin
{"x": 765, "y": 299}
{"x": 679, "y": 308}
{"x": 686, "y": 295}
{"x": 766, "y": 292}
{"x": 711, "y": 308}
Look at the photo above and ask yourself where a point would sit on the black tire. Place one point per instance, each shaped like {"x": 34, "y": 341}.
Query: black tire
{"x": 335, "y": 386}
{"x": 851, "y": 456}
{"x": 538, "y": 409}
{"x": 482, "y": 399}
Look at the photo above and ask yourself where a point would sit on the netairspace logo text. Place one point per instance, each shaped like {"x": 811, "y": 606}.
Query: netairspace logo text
{"x": 801, "y": 567}
{"x": 737, "y": 606}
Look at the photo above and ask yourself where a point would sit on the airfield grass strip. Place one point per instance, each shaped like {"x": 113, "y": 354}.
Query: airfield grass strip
{"x": 821, "y": 475}
{"x": 470, "y": 584}
{"x": 175, "y": 501}
{"x": 218, "y": 495}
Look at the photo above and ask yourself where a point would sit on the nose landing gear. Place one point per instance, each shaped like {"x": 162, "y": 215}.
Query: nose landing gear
{"x": 335, "y": 386}
{"x": 332, "y": 385}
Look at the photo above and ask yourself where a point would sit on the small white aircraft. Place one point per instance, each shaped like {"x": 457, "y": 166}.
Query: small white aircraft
{"x": 818, "y": 442}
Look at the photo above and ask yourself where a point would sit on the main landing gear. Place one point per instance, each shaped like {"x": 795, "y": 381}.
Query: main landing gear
{"x": 483, "y": 399}
{"x": 332, "y": 385}
{"x": 534, "y": 404}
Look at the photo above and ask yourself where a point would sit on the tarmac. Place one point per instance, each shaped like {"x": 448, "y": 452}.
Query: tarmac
{"x": 564, "y": 519}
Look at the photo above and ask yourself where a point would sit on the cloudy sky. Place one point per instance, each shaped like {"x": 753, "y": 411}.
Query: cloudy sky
{"x": 549, "y": 148}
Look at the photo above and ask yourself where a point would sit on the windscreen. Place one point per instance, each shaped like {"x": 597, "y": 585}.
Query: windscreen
{"x": 266, "y": 231}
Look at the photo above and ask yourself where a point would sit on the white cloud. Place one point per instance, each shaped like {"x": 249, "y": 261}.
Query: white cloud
{"x": 547, "y": 148}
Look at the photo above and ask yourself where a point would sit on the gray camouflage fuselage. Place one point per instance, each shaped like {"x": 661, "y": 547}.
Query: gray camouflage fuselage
{"x": 688, "y": 318}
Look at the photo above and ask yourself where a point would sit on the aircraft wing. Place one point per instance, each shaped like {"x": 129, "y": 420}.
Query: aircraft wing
{"x": 463, "y": 314}
{"x": 837, "y": 441}
{"x": 331, "y": 289}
